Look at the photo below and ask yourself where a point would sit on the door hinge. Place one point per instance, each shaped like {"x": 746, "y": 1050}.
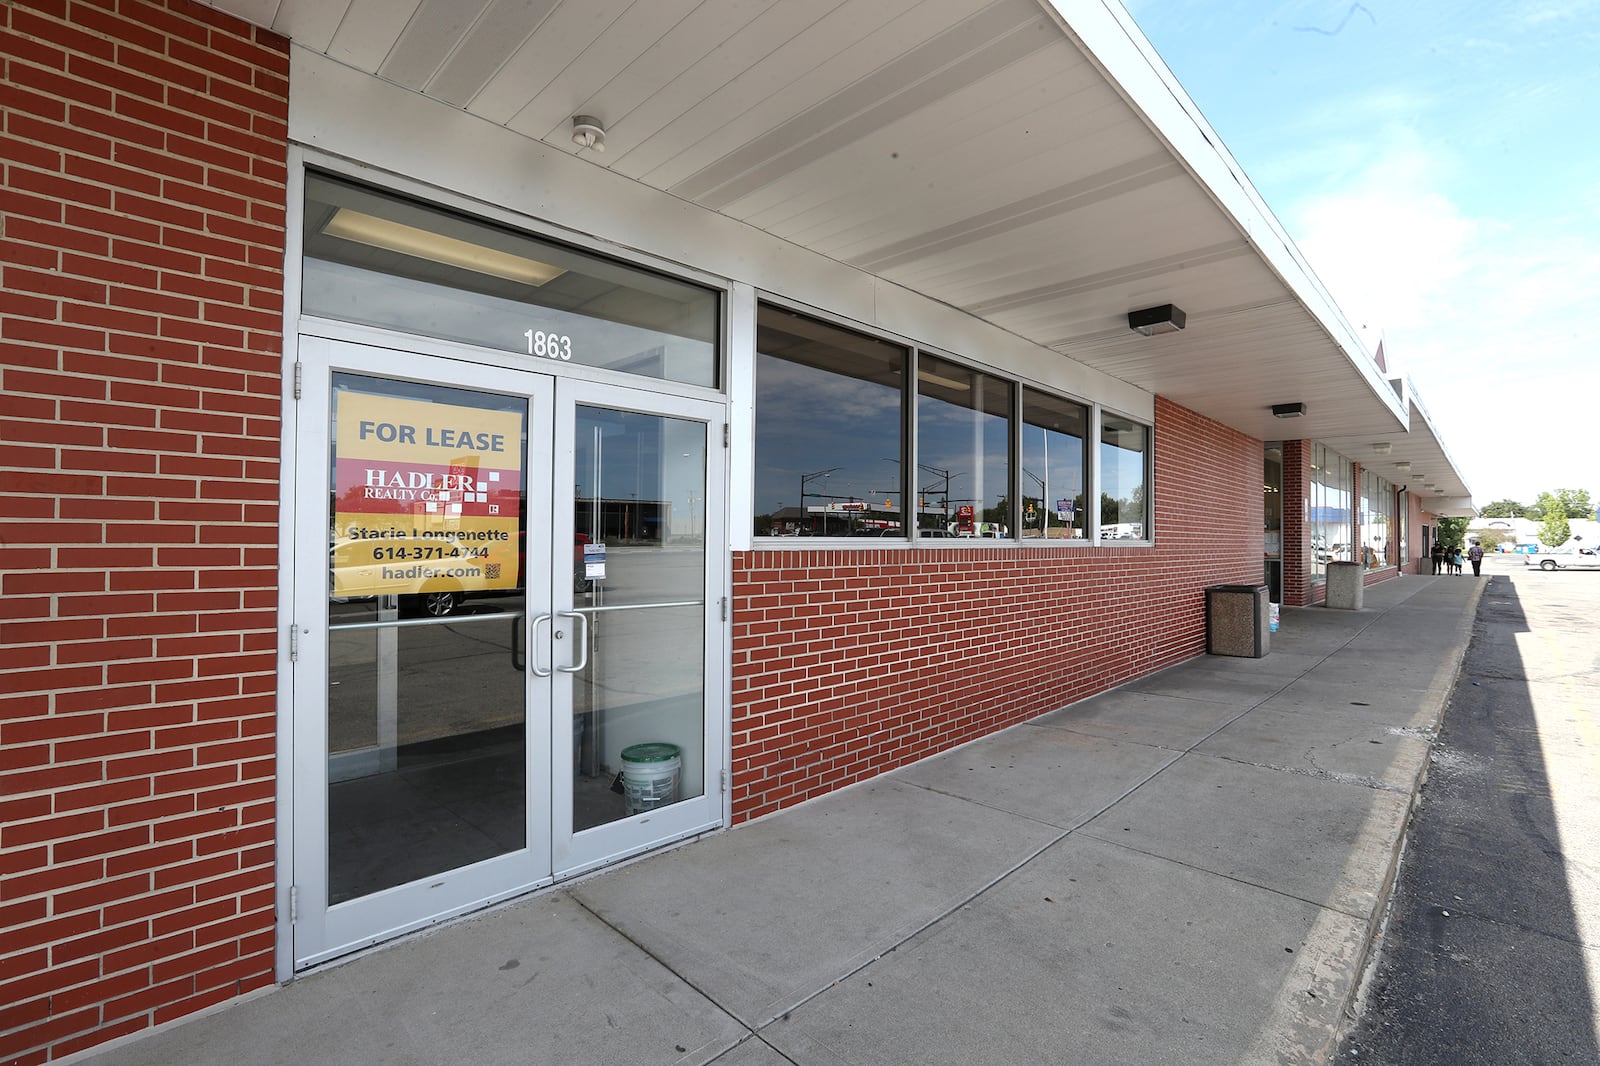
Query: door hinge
{"x": 727, "y": 434}
{"x": 294, "y": 643}
{"x": 294, "y": 904}
{"x": 724, "y": 603}
{"x": 724, "y": 780}
{"x": 298, "y": 379}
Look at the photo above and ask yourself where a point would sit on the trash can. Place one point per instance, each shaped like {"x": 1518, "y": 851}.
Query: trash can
{"x": 1346, "y": 586}
{"x": 1237, "y": 621}
{"x": 650, "y": 776}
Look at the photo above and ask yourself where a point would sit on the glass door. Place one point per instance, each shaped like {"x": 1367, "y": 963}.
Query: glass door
{"x": 645, "y": 694}
{"x": 421, "y": 761}
{"x": 509, "y": 649}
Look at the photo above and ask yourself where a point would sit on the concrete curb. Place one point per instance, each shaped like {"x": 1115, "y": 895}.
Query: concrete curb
{"x": 1378, "y": 921}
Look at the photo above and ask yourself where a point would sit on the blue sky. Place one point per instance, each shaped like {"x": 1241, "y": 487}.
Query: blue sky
{"x": 1439, "y": 165}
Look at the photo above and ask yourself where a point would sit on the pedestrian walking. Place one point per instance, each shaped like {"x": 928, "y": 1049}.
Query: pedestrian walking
{"x": 1437, "y": 555}
{"x": 1455, "y": 560}
{"x": 1475, "y": 553}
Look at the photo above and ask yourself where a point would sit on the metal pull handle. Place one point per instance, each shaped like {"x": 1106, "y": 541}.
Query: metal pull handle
{"x": 533, "y": 645}
{"x": 583, "y": 627}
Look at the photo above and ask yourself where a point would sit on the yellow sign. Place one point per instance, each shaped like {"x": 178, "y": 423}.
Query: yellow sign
{"x": 427, "y": 497}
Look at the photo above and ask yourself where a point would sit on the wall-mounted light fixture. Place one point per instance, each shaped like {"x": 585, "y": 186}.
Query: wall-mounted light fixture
{"x": 587, "y": 132}
{"x": 1152, "y": 320}
{"x": 1288, "y": 410}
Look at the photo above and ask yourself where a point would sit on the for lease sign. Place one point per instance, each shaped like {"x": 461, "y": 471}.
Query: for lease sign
{"x": 427, "y": 496}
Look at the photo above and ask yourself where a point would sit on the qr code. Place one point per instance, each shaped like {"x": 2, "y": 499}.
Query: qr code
{"x": 491, "y": 570}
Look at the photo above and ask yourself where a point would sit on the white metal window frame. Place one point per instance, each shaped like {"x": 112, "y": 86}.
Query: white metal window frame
{"x": 742, "y": 385}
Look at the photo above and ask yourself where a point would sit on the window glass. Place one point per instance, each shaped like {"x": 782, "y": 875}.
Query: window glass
{"x": 1402, "y": 527}
{"x": 963, "y": 450}
{"x": 383, "y": 260}
{"x": 1272, "y": 520}
{"x": 1055, "y": 434}
{"x": 1124, "y": 509}
{"x": 829, "y": 430}
{"x": 1332, "y": 510}
{"x": 1377, "y": 521}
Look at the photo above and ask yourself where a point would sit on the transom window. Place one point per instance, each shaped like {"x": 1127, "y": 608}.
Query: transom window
{"x": 384, "y": 260}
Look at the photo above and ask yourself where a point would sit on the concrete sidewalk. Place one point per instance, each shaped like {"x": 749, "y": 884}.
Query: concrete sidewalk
{"x": 1188, "y": 870}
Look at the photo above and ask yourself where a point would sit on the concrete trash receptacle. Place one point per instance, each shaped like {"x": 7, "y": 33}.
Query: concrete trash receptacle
{"x": 1237, "y": 620}
{"x": 650, "y": 776}
{"x": 1346, "y": 585}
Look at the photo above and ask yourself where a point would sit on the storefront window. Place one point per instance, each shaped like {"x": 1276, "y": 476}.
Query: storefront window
{"x": 1272, "y": 520}
{"x": 383, "y": 260}
{"x": 1055, "y": 435}
{"x": 829, "y": 430}
{"x": 1332, "y": 520}
{"x": 1377, "y": 521}
{"x": 834, "y": 426}
{"x": 1124, "y": 452}
{"x": 963, "y": 450}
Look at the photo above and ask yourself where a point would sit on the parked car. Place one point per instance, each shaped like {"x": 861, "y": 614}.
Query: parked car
{"x": 1565, "y": 557}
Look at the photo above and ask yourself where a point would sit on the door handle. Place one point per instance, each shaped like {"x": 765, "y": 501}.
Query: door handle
{"x": 533, "y": 645}
{"x": 583, "y": 627}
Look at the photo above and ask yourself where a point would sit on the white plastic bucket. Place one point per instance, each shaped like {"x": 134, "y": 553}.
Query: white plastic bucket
{"x": 650, "y": 776}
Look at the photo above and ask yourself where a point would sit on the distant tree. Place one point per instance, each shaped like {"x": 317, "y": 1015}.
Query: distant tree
{"x": 1568, "y": 503}
{"x": 1504, "y": 509}
{"x": 1491, "y": 539}
{"x": 1555, "y": 531}
{"x": 1453, "y": 532}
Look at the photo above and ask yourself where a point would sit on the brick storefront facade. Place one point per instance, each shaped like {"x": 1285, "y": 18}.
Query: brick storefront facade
{"x": 143, "y": 205}
{"x": 850, "y": 663}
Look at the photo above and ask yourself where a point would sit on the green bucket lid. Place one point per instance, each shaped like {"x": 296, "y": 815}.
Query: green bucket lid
{"x": 650, "y": 753}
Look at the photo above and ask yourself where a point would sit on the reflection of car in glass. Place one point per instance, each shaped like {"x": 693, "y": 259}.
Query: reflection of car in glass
{"x": 354, "y": 569}
{"x": 1564, "y": 558}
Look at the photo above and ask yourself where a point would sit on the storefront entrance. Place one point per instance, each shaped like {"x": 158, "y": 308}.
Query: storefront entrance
{"x": 509, "y": 652}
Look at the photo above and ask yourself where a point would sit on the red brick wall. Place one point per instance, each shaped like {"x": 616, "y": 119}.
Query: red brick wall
{"x": 849, "y": 663}
{"x": 143, "y": 208}
{"x": 1296, "y": 541}
{"x": 1419, "y": 562}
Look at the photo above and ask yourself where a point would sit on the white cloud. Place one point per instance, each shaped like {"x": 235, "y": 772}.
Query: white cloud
{"x": 1489, "y": 315}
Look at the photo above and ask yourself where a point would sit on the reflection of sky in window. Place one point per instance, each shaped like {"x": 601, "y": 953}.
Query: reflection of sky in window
{"x": 1055, "y": 459}
{"x": 808, "y": 420}
{"x": 641, "y": 457}
{"x": 970, "y": 444}
{"x": 1122, "y": 461}
{"x": 335, "y": 291}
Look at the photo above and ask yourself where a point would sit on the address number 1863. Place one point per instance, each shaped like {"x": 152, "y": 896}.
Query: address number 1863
{"x": 548, "y": 345}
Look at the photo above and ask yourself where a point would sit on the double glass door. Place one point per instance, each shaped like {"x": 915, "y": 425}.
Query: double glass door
{"x": 508, "y": 660}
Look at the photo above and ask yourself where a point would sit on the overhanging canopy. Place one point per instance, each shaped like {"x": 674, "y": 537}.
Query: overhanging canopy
{"x": 1030, "y": 162}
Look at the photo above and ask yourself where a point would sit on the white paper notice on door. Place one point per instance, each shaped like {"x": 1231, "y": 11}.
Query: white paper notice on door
{"x": 594, "y": 562}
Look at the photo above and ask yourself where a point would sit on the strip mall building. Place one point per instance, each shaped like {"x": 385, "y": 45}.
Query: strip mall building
{"x": 422, "y": 421}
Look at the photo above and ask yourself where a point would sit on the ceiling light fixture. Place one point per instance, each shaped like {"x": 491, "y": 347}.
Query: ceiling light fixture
{"x": 1382, "y": 447}
{"x": 587, "y": 132}
{"x": 394, "y": 236}
{"x": 1403, "y": 465}
{"x": 938, "y": 379}
{"x": 1288, "y": 410}
{"x": 1152, "y": 320}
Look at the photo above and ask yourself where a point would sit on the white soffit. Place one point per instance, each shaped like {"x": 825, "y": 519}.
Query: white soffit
{"x": 1029, "y": 162}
